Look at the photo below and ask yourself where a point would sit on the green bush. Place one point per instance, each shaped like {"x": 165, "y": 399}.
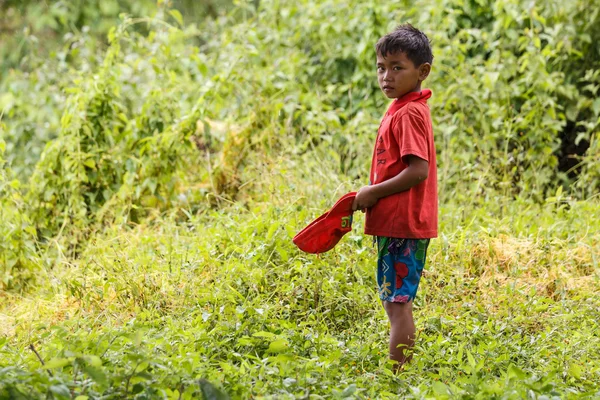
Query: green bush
{"x": 121, "y": 141}
{"x": 19, "y": 262}
{"x": 513, "y": 112}
{"x": 508, "y": 97}
{"x": 508, "y": 88}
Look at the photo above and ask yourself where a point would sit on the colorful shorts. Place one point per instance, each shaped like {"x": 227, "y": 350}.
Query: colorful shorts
{"x": 400, "y": 264}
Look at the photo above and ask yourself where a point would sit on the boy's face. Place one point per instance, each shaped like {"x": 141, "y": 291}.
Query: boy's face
{"x": 398, "y": 75}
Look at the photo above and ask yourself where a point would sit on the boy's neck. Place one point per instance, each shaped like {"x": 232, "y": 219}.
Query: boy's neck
{"x": 416, "y": 89}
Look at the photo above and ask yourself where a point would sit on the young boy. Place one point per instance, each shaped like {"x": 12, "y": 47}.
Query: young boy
{"x": 401, "y": 201}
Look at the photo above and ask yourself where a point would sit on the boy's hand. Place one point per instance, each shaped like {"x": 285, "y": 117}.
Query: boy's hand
{"x": 365, "y": 198}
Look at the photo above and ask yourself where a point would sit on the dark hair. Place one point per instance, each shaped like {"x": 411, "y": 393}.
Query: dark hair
{"x": 409, "y": 40}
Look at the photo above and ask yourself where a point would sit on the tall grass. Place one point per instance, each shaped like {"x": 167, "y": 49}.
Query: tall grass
{"x": 225, "y": 296}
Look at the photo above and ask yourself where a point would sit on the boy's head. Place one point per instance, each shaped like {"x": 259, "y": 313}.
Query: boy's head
{"x": 404, "y": 60}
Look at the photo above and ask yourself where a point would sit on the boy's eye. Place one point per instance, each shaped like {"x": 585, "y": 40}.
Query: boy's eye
{"x": 397, "y": 68}
{"x": 380, "y": 69}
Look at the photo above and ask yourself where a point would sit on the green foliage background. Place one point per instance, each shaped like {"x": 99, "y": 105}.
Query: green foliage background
{"x": 157, "y": 158}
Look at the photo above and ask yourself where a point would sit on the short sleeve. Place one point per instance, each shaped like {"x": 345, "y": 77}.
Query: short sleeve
{"x": 412, "y": 134}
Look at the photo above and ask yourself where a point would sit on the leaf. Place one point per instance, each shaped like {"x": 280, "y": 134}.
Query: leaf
{"x": 57, "y": 363}
{"x": 440, "y": 388}
{"x": 61, "y": 391}
{"x": 142, "y": 366}
{"x": 96, "y": 373}
{"x": 278, "y": 346}
{"x": 287, "y": 382}
{"x": 516, "y": 372}
{"x": 471, "y": 359}
{"x": 349, "y": 391}
{"x": 90, "y": 163}
{"x": 137, "y": 339}
{"x": 596, "y": 106}
{"x": 210, "y": 392}
{"x": 177, "y": 16}
{"x": 264, "y": 334}
{"x": 93, "y": 360}
{"x": 272, "y": 229}
{"x": 575, "y": 371}
{"x": 490, "y": 79}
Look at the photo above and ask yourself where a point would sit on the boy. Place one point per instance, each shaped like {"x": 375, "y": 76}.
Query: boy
{"x": 401, "y": 200}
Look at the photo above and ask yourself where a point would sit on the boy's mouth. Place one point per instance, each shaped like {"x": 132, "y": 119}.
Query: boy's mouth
{"x": 387, "y": 88}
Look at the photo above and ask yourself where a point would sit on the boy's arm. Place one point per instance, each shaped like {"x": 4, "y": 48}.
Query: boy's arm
{"x": 416, "y": 172}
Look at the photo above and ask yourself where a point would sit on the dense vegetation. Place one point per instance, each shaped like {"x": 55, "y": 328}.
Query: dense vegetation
{"x": 156, "y": 159}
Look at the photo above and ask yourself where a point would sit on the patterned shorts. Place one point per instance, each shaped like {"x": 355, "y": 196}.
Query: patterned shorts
{"x": 400, "y": 264}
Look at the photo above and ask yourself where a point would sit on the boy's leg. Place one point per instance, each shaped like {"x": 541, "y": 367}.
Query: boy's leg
{"x": 402, "y": 332}
{"x": 399, "y": 267}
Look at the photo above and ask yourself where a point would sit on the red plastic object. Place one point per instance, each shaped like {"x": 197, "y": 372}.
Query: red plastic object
{"x": 325, "y": 232}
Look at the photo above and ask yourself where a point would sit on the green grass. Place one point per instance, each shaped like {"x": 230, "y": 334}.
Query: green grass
{"x": 508, "y": 306}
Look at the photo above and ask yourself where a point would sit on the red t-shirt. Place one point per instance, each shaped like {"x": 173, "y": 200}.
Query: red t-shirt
{"x": 405, "y": 129}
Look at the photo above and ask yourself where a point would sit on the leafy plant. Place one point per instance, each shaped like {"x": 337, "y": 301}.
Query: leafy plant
{"x": 19, "y": 261}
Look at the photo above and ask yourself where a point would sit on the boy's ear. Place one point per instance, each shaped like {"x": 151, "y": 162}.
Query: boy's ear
{"x": 424, "y": 70}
